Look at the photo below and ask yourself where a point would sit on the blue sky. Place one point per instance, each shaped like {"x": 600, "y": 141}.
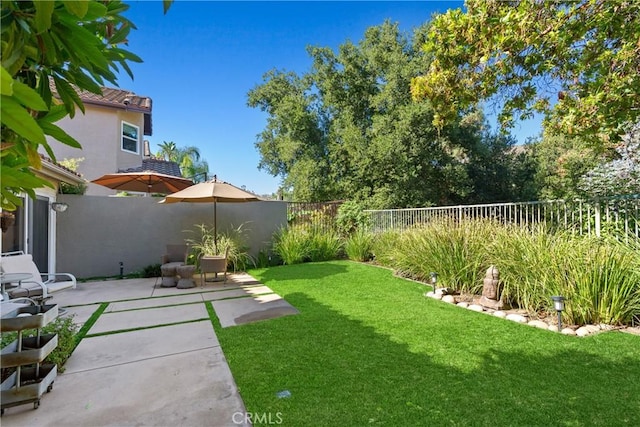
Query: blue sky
{"x": 202, "y": 57}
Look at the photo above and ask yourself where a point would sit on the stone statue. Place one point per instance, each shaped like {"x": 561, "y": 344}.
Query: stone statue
{"x": 491, "y": 289}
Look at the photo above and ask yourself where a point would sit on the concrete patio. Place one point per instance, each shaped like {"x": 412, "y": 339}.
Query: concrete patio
{"x": 152, "y": 356}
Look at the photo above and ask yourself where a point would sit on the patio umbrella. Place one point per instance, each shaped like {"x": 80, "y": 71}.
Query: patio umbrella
{"x": 212, "y": 191}
{"x": 145, "y": 181}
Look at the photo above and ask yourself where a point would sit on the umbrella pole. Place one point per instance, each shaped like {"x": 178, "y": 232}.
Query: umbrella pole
{"x": 215, "y": 226}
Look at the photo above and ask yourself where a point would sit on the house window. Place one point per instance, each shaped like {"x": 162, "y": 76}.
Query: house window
{"x": 130, "y": 137}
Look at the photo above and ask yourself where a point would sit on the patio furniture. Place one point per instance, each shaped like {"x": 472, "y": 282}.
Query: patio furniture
{"x": 37, "y": 285}
{"x": 186, "y": 276}
{"x": 175, "y": 256}
{"x": 168, "y": 272}
{"x": 213, "y": 264}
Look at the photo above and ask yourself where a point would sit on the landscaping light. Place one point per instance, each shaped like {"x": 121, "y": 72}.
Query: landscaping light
{"x": 558, "y": 303}
{"x": 434, "y": 279}
{"x": 59, "y": 207}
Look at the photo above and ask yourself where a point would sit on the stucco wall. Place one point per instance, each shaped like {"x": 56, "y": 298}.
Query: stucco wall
{"x": 99, "y": 133}
{"x": 98, "y": 232}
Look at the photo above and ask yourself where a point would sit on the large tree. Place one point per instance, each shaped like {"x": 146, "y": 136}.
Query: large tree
{"x": 561, "y": 161}
{"x": 576, "y": 62}
{"x": 64, "y": 43}
{"x": 348, "y": 128}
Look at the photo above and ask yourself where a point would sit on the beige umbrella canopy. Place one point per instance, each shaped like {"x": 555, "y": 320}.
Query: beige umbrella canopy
{"x": 212, "y": 191}
{"x": 146, "y": 181}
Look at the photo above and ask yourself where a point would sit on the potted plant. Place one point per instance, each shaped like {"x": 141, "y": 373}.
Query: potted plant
{"x": 229, "y": 246}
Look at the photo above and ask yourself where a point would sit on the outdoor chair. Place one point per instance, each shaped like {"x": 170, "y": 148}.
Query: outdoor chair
{"x": 174, "y": 257}
{"x": 40, "y": 285}
{"x": 213, "y": 264}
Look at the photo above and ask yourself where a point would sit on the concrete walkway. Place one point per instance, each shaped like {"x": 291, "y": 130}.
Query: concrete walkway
{"x": 152, "y": 358}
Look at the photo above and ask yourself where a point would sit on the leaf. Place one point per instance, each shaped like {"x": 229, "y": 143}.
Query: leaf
{"x": 96, "y": 10}
{"x": 6, "y": 83}
{"x": 59, "y": 134}
{"x": 78, "y": 8}
{"x": 68, "y": 95}
{"x": 44, "y": 10}
{"x": 121, "y": 54}
{"x": 81, "y": 80}
{"x": 16, "y": 118}
{"x": 166, "y": 4}
{"x": 120, "y": 35}
{"x": 34, "y": 157}
{"x": 127, "y": 69}
{"x": 28, "y": 97}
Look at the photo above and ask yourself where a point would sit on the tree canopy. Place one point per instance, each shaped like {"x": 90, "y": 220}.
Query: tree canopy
{"x": 348, "y": 129}
{"x": 63, "y": 43}
{"x": 576, "y": 62}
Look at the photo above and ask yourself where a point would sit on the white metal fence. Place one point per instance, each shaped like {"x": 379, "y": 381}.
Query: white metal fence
{"x": 619, "y": 215}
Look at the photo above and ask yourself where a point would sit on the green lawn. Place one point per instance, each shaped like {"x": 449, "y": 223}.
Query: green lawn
{"x": 369, "y": 349}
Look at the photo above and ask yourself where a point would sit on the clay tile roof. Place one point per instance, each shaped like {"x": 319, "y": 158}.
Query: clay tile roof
{"x": 157, "y": 165}
{"x": 116, "y": 98}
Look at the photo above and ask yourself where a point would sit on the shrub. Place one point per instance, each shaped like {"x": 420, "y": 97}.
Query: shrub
{"x": 383, "y": 248}
{"x": 292, "y": 245}
{"x": 453, "y": 249}
{"x": 358, "y": 246}
{"x": 351, "y": 217}
{"x": 152, "y": 270}
{"x": 267, "y": 259}
{"x": 295, "y": 245}
{"x": 600, "y": 277}
{"x": 524, "y": 258}
{"x": 324, "y": 245}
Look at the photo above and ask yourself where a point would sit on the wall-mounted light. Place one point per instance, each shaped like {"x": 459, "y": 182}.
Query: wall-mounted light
{"x": 558, "y": 304}
{"x": 59, "y": 207}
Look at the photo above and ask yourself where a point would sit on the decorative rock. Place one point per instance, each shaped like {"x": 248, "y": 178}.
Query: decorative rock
{"x": 538, "y": 324}
{"x": 476, "y": 307}
{"x": 501, "y": 314}
{"x": 568, "y": 331}
{"x": 429, "y": 294}
{"x": 582, "y": 331}
{"x": 434, "y": 295}
{"x": 449, "y": 298}
{"x": 516, "y": 318}
{"x": 463, "y": 304}
{"x": 592, "y": 328}
{"x": 553, "y": 328}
